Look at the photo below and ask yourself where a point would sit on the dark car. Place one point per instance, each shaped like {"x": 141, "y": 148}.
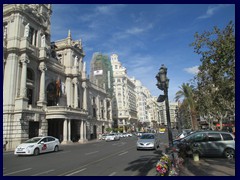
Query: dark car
{"x": 209, "y": 143}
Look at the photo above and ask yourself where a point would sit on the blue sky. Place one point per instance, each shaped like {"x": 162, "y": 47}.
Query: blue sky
{"x": 144, "y": 36}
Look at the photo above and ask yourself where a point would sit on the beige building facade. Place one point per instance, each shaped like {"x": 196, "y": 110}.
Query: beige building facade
{"x": 45, "y": 86}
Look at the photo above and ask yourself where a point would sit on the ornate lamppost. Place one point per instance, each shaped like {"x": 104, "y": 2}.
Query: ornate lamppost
{"x": 163, "y": 83}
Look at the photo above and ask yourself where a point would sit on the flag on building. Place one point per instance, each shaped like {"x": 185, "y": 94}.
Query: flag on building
{"x": 58, "y": 87}
{"x": 98, "y": 72}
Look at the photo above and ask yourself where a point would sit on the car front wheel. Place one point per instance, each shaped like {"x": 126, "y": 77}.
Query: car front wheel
{"x": 36, "y": 152}
{"x": 229, "y": 153}
{"x": 56, "y": 148}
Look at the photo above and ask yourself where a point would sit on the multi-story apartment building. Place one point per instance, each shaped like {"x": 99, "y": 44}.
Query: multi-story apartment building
{"x": 142, "y": 105}
{"x": 102, "y": 75}
{"x": 172, "y": 110}
{"x": 45, "y": 88}
{"x": 124, "y": 101}
{"x": 155, "y": 118}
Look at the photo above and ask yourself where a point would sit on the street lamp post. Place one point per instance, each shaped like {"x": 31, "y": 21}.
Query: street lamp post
{"x": 163, "y": 83}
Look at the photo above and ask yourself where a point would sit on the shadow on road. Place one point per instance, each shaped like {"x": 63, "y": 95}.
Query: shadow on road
{"x": 145, "y": 163}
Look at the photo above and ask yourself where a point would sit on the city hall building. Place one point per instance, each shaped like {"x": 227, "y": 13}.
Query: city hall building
{"x": 45, "y": 86}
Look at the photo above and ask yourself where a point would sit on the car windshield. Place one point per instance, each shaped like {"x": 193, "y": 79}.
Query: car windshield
{"x": 147, "y": 136}
{"x": 33, "y": 140}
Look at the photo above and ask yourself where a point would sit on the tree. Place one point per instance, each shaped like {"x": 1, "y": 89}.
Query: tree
{"x": 108, "y": 129}
{"x": 216, "y": 77}
{"x": 187, "y": 94}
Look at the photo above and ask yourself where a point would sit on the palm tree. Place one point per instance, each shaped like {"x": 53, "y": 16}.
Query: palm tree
{"x": 186, "y": 92}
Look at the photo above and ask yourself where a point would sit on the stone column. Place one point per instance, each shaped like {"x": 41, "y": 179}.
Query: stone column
{"x": 42, "y": 101}
{"x": 23, "y": 89}
{"x": 65, "y": 131}
{"x": 85, "y": 106}
{"x": 81, "y": 131}
{"x": 69, "y": 130}
{"x": 97, "y": 108}
{"x": 84, "y": 131}
{"x": 105, "y": 109}
{"x": 68, "y": 91}
{"x": 110, "y": 109}
{"x": 75, "y": 93}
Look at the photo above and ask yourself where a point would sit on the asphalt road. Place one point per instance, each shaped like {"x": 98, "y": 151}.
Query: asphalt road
{"x": 115, "y": 158}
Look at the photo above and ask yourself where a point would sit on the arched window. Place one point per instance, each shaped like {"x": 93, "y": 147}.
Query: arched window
{"x": 51, "y": 95}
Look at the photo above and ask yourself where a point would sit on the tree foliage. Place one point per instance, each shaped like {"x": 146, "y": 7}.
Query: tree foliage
{"x": 215, "y": 94}
{"x": 186, "y": 92}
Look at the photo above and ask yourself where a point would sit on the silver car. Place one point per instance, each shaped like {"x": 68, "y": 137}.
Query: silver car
{"x": 112, "y": 137}
{"x": 212, "y": 143}
{"x": 148, "y": 141}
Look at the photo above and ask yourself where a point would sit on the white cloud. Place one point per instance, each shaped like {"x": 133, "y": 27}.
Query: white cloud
{"x": 108, "y": 9}
{"x": 137, "y": 30}
{"x": 134, "y": 30}
{"x": 211, "y": 11}
{"x": 192, "y": 70}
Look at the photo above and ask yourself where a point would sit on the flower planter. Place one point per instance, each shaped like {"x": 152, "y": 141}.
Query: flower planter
{"x": 195, "y": 156}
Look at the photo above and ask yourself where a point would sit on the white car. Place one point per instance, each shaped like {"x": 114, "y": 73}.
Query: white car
{"x": 112, "y": 137}
{"x": 37, "y": 145}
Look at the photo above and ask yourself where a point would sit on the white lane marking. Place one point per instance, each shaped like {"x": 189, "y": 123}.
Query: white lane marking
{"x": 112, "y": 174}
{"x": 121, "y": 144}
{"x": 76, "y": 172}
{"x": 123, "y": 153}
{"x": 91, "y": 152}
{"x": 43, "y": 172}
{"x": 99, "y": 160}
{"x": 17, "y": 171}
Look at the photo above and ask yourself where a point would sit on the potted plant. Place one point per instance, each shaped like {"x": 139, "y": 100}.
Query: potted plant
{"x": 195, "y": 148}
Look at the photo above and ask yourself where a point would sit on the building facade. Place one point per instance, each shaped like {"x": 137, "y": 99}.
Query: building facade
{"x": 124, "y": 101}
{"x": 45, "y": 86}
{"x": 172, "y": 110}
{"x": 101, "y": 72}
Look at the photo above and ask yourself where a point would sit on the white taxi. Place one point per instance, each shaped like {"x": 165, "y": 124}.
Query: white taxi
{"x": 37, "y": 145}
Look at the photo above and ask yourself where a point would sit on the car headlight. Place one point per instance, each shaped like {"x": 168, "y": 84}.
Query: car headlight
{"x": 30, "y": 146}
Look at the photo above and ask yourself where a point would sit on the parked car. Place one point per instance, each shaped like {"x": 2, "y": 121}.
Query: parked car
{"x": 148, "y": 141}
{"x": 139, "y": 134}
{"x": 129, "y": 134}
{"x": 112, "y": 137}
{"x": 102, "y": 136}
{"x": 37, "y": 145}
{"x": 184, "y": 133}
{"x": 210, "y": 143}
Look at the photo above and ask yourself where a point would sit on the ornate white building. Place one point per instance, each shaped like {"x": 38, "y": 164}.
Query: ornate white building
{"x": 45, "y": 85}
{"x": 124, "y": 102}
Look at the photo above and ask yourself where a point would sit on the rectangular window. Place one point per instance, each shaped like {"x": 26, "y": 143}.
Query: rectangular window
{"x": 31, "y": 35}
{"x": 226, "y": 137}
{"x": 214, "y": 137}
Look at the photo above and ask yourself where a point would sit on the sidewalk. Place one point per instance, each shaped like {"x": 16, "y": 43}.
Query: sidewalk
{"x": 204, "y": 167}
{"x": 208, "y": 167}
